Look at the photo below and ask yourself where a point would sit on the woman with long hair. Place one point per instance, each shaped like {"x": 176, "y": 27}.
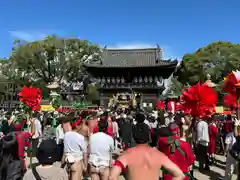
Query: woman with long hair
{"x": 10, "y": 165}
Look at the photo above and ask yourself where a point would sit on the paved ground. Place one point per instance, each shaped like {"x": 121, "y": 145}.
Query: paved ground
{"x": 217, "y": 172}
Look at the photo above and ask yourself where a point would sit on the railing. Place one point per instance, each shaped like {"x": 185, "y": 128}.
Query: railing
{"x": 9, "y": 104}
{"x": 132, "y": 85}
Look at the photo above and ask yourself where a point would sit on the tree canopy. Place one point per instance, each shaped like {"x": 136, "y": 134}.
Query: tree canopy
{"x": 52, "y": 58}
{"x": 217, "y": 59}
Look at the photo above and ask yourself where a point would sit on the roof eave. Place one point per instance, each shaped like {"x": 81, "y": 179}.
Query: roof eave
{"x": 172, "y": 64}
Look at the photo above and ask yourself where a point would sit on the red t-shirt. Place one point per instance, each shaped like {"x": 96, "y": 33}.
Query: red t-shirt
{"x": 23, "y": 141}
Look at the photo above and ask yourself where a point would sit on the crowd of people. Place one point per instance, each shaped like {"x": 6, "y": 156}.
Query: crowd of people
{"x": 107, "y": 144}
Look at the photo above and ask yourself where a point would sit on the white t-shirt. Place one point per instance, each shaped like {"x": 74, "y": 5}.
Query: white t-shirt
{"x": 202, "y": 133}
{"x": 59, "y": 134}
{"x": 100, "y": 145}
{"x": 74, "y": 144}
{"x": 230, "y": 139}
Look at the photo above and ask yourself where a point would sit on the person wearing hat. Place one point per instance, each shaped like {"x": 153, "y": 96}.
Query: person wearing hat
{"x": 143, "y": 162}
{"x": 46, "y": 155}
{"x": 177, "y": 150}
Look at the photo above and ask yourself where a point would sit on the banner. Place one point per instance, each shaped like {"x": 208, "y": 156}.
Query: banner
{"x": 47, "y": 108}
{"x": 219, "y": 109}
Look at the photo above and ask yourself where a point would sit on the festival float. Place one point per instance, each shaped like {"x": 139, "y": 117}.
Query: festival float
{"x": 123, "y": 100}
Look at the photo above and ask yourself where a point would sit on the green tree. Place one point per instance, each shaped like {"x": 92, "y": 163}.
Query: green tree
{"x": 217, "y": 59}
{"x": 6, "y": 78}
{"x": 92, "y": 92}
{"x": 44, "y": 61}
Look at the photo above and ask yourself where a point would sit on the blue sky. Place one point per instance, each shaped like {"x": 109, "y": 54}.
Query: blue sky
{"x": 177, "y": 26}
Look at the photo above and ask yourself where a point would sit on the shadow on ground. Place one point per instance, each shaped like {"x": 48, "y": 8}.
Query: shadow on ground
{"x": 212, "y": 174}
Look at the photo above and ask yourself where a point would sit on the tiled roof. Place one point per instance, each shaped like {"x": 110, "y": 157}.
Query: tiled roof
{"x": 132, "y": 58}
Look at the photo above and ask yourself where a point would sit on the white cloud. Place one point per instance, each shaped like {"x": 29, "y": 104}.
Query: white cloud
{"x": 27, "y": 36}
{"x": 168, "y": 52}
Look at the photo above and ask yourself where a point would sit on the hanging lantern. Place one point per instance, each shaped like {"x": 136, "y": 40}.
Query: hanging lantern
{"x": 150, "y": 79}
{"x": 99, "y": 80}
{"x": 108, "y": 80}
{"x": 103, "y": 80}
{"x": 140, "y": 80}
{"x": 118, "y": 80}
{"x": 160, "y": 81}
{"x": 122, "y": 80}
{"x": 145, "y": 79}
{"x": 113, "y": 80}
{"x": 155, "y": 79}
{"x": 135, "y": 80}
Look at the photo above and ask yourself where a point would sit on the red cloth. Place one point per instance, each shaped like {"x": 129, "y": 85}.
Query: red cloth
{"x": 119, "y": 164}
{"x": 213, "y": 134}
{"x": 23, "y": 141}
{"x": 77, "y": 123}
{"x": 182, "y": 161}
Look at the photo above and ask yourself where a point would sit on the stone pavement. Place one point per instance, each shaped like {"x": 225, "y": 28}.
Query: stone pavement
{"x": 217, "y": 172}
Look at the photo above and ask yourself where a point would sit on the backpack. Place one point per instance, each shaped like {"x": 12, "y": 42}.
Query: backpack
{"x": 14, "y": 170}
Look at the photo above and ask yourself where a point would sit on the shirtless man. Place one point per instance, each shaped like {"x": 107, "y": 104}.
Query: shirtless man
{"x": 143, "y": 162}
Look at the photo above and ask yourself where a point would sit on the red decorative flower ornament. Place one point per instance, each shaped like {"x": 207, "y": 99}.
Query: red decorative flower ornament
{"x": 160, "y": 105}
{"x": 230, "y": 84}
{"x": 230, "y": 100}
{"x": 199, "y": 100}
{"x": 31, "y": 97}
{"x": 231, "y": 81}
